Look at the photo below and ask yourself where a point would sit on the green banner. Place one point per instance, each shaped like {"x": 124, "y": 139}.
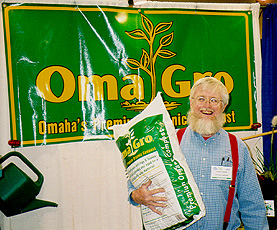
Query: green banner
{"x": 73, "y": 72}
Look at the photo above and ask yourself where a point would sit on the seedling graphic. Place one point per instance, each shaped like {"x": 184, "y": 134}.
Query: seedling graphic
{"x": 148, "y": 59}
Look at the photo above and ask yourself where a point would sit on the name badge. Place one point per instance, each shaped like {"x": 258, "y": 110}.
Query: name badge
{"x": 221, "y": 173}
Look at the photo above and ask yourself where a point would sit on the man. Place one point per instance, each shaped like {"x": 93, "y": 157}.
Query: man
{"x": 205, "y": 144}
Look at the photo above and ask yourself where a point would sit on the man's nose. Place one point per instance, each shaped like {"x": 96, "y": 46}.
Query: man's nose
{"x": 208, "y": 102}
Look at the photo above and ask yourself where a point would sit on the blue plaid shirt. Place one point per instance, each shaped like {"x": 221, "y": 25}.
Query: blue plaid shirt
{"x": 201, "y": 155}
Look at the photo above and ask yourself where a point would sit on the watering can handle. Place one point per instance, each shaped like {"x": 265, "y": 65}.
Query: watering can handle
{"x": 27, "y": 162}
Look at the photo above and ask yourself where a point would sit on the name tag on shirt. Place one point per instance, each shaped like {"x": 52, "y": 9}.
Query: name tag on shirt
{"x": 221, "y": 173}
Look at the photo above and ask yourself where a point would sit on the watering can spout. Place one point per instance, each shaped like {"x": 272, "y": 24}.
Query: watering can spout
{"x": 36, "y": 204}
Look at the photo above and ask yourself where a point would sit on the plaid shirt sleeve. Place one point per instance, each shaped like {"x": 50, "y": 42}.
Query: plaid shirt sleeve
{"x": 131, "y": 188}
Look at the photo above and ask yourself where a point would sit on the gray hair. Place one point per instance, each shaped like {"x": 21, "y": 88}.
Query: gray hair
{"x": 213, "y": 85}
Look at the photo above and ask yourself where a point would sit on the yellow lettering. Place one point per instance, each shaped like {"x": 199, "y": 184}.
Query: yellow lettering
{"x": 148, "y": 139}
{"x": 109, "y": 123}
{"x": 228, "y": 80}
{"x": 140, "y": 142}
{"x": 67, "y": 125}
{"x": 117, "y": 121}
{"x": 136, "y": 144}
{"x": 44, "y": 86}
{"x": 42, "y": 127}
{"x": 230, "y": 117}
{"x": 83, "y": 125}
{"x": 134, "y": 90}
{"x": 61, "y": 127}
{"x": 166, "y": 80}
{"x": 52, "y": 128}
{"x": 197, "y": 75}
{"x": 179, "y": 119}
{"x": 95, "y": 84}
{"x": 74, "y": 126}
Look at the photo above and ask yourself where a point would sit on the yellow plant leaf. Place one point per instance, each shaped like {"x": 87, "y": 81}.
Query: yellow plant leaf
{"x": 162, "y": 27}
{"x": 133, "y": 63}
{"x": 166, "y": 54}
{"x": 136, "y": 34}
{"x": 167, "y": 39}
{"x": 147, "y": 24}
{"x": 144, "y": 60}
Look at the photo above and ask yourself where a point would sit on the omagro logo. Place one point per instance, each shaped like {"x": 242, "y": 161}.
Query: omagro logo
{"x": 148, "y": 58}
{"x": 106, "y": 87}
{"x": 147, "y": 62}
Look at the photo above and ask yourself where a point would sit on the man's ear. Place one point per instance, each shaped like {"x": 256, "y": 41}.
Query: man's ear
{"x": 190, "y": 101}
{"x": 224, "y": 107}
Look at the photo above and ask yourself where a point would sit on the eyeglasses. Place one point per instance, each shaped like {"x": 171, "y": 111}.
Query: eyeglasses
{"x": 202, "y": 100}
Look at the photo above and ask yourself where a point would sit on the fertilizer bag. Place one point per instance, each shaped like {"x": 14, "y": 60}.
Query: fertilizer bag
{"x": 150, "y": 150}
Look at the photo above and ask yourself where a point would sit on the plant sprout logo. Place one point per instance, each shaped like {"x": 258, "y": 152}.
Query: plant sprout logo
{"x": 133, "y": 144}
{"x": 148, "y": 59}
{"x": 130, "y": 150}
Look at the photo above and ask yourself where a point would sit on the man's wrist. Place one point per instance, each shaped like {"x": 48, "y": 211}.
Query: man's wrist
{"x": 132, "y": 201}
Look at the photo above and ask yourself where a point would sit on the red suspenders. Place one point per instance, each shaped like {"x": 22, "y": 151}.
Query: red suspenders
{"x": 180, "y": 134}
{"x": 235, "y": 158}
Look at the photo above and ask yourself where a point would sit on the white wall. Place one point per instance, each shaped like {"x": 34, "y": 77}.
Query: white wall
{"x": 87, "y": 179}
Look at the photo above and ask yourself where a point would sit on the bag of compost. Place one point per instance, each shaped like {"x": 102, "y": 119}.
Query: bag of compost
{"x": 150, "y": 150}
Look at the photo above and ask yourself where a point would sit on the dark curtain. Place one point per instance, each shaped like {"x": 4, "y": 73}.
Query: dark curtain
{"x": 269, "y": 75}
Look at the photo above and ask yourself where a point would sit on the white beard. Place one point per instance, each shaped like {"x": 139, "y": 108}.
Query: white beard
{"x": 205, "y": 127}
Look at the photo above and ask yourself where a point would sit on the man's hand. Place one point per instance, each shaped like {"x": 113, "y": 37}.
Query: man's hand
{"x": 143, "y": 196}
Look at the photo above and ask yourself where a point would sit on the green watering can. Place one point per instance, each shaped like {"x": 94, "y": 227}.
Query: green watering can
{"x": 17, "y": 190}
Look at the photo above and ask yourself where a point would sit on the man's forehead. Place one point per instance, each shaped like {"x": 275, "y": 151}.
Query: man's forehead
{"x": 202, "y": 91}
